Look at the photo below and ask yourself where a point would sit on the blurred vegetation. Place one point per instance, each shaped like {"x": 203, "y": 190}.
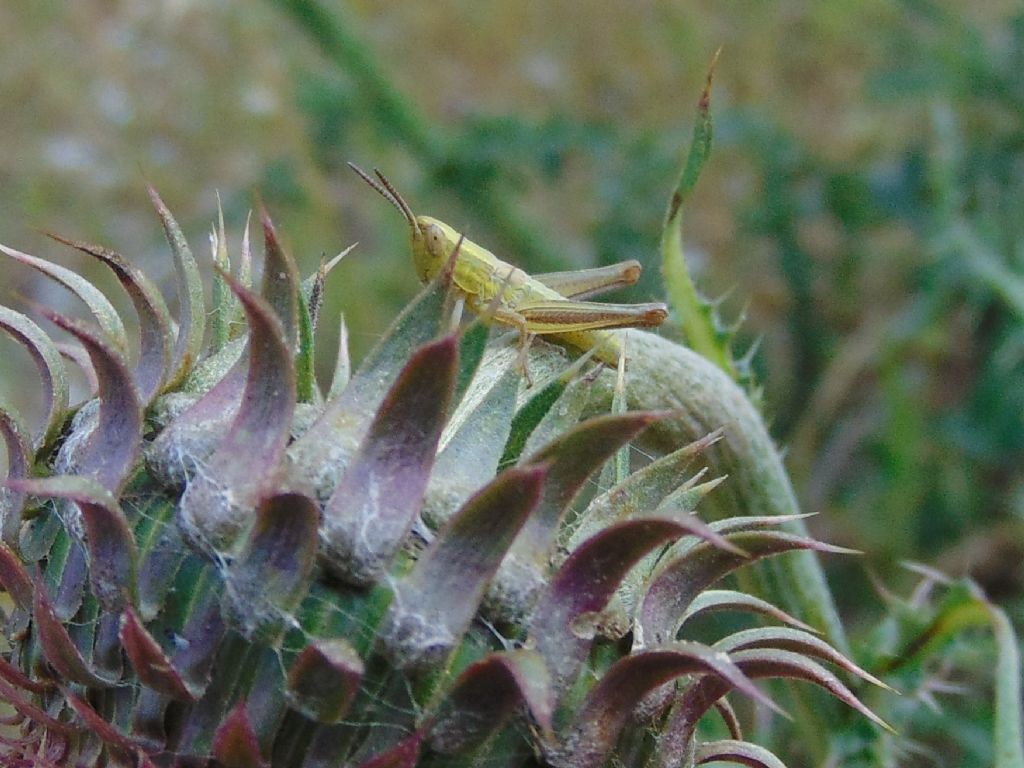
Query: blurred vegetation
{"x": 862, "y": 206}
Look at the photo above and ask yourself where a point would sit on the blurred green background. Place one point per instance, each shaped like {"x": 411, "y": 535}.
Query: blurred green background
{"x": 863, "y": 204}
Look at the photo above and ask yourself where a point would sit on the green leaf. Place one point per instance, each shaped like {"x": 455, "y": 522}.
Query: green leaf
{"x": 224, "y": 303}
{"x": 1009, "y": 741}
{"x": 305, "y": 374}
{"x": 696, "y": 317}
{"x": 528, "y": 417}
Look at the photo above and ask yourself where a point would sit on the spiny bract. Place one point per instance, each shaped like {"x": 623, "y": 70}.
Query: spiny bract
{"x": 210, "y": 562}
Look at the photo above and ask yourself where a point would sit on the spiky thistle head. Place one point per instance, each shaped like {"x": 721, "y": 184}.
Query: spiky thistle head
{"x": 213, "y": 562}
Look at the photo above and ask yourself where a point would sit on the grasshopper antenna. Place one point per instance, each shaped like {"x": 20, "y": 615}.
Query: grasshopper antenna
{"x": 386, "y": 190}
{"x": 402, "y": 205}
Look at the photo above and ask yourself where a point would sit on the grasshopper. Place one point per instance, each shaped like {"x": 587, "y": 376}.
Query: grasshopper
{"x": 542, "y": 305}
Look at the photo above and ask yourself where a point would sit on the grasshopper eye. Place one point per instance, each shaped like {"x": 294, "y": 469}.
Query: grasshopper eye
{"x": 434, "y": 237}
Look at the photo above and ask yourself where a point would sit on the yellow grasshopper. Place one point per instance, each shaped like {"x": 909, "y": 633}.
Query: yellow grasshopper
{"x": 534, "y": 304}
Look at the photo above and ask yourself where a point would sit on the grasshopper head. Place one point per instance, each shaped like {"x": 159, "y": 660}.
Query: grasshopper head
{"x": 434, "y": 246}
{"x": 428, "y": 236}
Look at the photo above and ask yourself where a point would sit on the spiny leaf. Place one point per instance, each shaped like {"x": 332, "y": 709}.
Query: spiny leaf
{"x": 711, "y": 600}
{"x": 272, "y": 571}
{"x": 689, "y": 496}
{"x": 57, "y": 645}
{"x": 405, "y": 754}
{"x": 51, "y": 370}
{"x": 108, "y": 539}
{"x": 472, "y": 344}
{"x": 618, "y": 465}
{"x": 608, "y": 707}
{"x": 585, "y": 583}
{"x": 264, "y": 703}
{"x": 147, "y": 723}
{"x": 471, "y": 448}
{"x": 310, "y": 297}
{"x": 756, "y": 522}
{"x": 280, "y": 281}
{"x": 570, "y": 460}
{"x": 435, "y": 602}
{"x": 760, "y": 663}
{"x": 964, "y": 606}
{"x": 317, "y": 459}
{"x": 733, "y": 751}
{"x": 152, "y": 666}
{"x": 113, "y": 447}
{"x": 196, "y": 726}
{"x": 641, "y": 491}
{"x": 19, "y": 462}
{"x": 15, "y": 676}
{"x": 98, "y": 725}
{"x": 486, "y": 694}
{"x": 162, "y": 551}
{"x": 235, "y": 744}
{"x": 798, "y": 641}
{"x": 243, "y": 467}
{"x": 678, "y": 506}
{"x": 324, "y": 680}
{"x": 186, "y": 443}
{"x": 107, "y": 655}
{"x": 75, "y": 353}
{"x": 375, "y": 502}
{"x": 14, "y": 698}
{"x": 70, "y": 571}
{"x": 728, "y": 715}
{"x": 155, "y": 337}
{"x": 201, "y": 639}
{"x": 700, "y": 147}
{"x": 245, "y": 255}
{"x": 679, "y": 581}
{"x": 563, "y": 414}
{"x": 100, "y": 307}
{"x": 191, "y": 304}
{"x": 14, "y": 578}
{"x": 311, "y": 290}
